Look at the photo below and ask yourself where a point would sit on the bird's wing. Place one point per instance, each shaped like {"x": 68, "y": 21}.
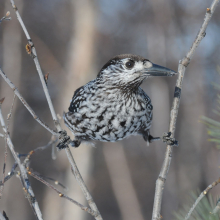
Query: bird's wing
{"x": 149, "y": 113}
{"x": 145, "y": 96}
{"x": 76, "y": 100}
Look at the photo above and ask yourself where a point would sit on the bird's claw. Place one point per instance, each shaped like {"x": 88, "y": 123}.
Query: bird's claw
{"x": 169, "y": 140}
{"x": 65, "y": 140}
{"x": 152, "y": 139}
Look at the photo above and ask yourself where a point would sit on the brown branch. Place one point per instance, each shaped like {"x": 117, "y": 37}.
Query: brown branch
{"x": 160, "y": 183}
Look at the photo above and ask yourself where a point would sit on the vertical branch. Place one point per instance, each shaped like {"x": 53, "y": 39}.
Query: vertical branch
{"x": 5, "y": 157}
{"x": 54, "y": 116}
{"x": 160, "y": 183}
{"x": 6, "y": 146}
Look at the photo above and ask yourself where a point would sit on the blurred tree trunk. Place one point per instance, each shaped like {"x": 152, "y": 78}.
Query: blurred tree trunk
{"x": 121, "y": 181}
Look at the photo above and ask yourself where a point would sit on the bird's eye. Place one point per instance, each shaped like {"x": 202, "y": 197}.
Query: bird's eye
{"x": 129, "y": 64}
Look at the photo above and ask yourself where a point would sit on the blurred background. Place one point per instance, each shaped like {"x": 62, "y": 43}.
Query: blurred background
{"x": 74, "y": 39}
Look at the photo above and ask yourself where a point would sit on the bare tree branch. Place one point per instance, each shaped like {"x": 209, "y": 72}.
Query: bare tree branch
{"x": 10, "y": 112}
{"x": 6, "y": 17}
{"x": 84, "y": 208}
{"x": 51, "y": 142}
{"x": 10, "y": 174}
{"x": 6, "y": 146}
{"x": 24, "y": 176}
{"x": 5, "y": 156}
{"x": 17, "y": 93}
{"x": 201, "y": 196}
{"x": 217, "y": 208}
{"x": 160, "y": 183}
{"x": 54, "y": 116}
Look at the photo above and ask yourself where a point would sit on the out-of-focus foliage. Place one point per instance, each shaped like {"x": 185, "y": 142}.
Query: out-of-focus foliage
{"x": 203, "y": 211}
{"x": 213, "y": 126}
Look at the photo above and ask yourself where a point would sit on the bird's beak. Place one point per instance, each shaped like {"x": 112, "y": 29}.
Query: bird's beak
{"x": 157, "y": 70}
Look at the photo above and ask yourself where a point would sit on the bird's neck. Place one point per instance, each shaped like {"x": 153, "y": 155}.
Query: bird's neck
{"x": 120, "y": 86}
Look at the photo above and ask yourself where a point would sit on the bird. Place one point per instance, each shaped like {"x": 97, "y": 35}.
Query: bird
{"x": 113, "y": 106}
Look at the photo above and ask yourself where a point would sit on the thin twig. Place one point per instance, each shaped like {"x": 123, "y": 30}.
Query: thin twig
{"x": 10, "y": 112}
{"x": 55, "y": 181}
{"x": 51, "y": 142}
{"x": 54, "y": 116}
{"x": 160, "y": 183}
{"x": 201, "y": 196}
{"x": 1, "y": 135}
{"x": 5, "y": 155}
{"x": 6, "y": 17}
{"x": 217, "y": 208}
{"x": 24, "y": 176}
{"x": 6, "y": 146}
{"x": 17, "y": 93}
{"x": 10, "y": 174}
{"x": 90, "y": 211}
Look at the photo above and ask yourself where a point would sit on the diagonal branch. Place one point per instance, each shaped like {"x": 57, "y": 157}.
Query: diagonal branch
{"x": 76, "y": 171}
{"x": 6, "y": 17}
{"x": 201, "y": 196}
{"x": 17, "y": 93}
{"x": 217, "y": 208}
{"x": 84, "y": 208}
{"x": 10, "y": 174}
{"x": 24, "y": 176}
{"x": 54, "y": 116}
{"x": 160, "y": 183}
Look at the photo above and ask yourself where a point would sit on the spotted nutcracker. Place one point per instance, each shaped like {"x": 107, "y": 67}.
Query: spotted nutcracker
{"x": 113, "y": 106}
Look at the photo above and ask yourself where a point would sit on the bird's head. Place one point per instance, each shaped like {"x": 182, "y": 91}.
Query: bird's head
{"x": 129, "y": 71}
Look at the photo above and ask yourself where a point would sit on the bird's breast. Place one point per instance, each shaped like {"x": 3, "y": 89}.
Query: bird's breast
{"x": 109, "y": 116}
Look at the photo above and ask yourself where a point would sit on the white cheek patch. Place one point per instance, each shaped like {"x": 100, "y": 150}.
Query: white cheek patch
{"x": 148, "y": 64}
{"x": 138, "y": 66}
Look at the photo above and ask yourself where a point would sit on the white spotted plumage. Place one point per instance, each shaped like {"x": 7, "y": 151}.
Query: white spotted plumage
{"x": 113, "y": 106}
{"x": 108, "y": 118}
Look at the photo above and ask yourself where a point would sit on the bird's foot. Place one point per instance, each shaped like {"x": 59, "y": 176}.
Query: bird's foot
{"x": 64, "y": 140}
{"x": 169, "y": 140}
{"x": 152, "y": 139}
